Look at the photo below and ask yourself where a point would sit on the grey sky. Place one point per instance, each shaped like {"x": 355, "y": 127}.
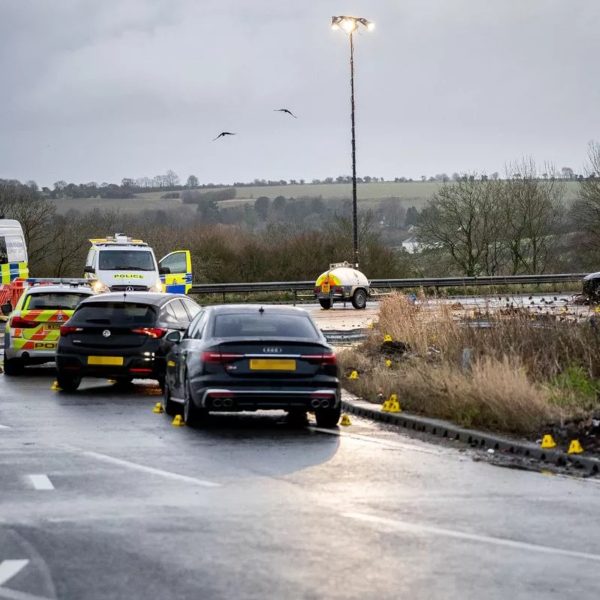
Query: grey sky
{"x": 100, "y": 90}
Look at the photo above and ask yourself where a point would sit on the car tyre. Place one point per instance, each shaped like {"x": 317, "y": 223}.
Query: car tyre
{"x": 171, "y": 408}
{"x": 192, "y": 415}
{"x": 328, "y": 417}
{"x": 13, "y": 366}
{"x": 359, "y": 299}
{"x": 325, "y": 303}
{"x": 68, "y": 383}
{"x": 296, "y": 417}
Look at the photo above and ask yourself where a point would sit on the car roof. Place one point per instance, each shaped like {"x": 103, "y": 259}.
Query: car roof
{"x": 254, "y": 308}
{"x": 151, "y": 298}
{"x": 57, "y": 287}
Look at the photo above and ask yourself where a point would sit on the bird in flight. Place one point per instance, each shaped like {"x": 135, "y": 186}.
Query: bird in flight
{"x": 285, "y": 110}
{"x": 223, "y": 134}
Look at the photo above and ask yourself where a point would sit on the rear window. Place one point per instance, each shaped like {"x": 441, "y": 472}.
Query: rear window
{"x": 54, "y": 301}
{"x": 126, "y": 260}
{"x": 114, "y": 313}
{"x": 265, "y": 325}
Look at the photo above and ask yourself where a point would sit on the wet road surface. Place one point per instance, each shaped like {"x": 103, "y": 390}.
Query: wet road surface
{"x": 100, "y": 498}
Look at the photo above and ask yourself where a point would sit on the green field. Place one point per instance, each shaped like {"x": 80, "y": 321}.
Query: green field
{"x": 409, "y": 194}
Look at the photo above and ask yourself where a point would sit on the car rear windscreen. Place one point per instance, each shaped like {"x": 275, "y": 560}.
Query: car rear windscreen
{"x": 120, "y": 314}
{"x": 126, "y": 260}
{"x": 264, "y": 325}
{"x": 54, "y": 301}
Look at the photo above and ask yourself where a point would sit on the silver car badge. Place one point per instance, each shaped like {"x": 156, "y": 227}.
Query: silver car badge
{"x": 106, "y": 333}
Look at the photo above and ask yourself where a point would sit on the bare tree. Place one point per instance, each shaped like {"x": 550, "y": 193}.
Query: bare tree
{"x": 461, "y": 219}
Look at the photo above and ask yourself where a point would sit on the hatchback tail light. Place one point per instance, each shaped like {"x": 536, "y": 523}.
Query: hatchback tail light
{"x": 68, "y": 330}
{"x": 219, "y": 357}
{"x": 21, "y": 323}
{"x": 152, "y": 332}
{"x": 320, "y": 359}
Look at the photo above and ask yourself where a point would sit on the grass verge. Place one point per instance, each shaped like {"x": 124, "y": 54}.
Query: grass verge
{"x": 521, "y": 373}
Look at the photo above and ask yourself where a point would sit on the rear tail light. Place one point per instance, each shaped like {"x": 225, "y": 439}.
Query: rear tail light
{"x": 152, "y": 332}
{"x": 320, "y": 359}
{"x": 68, "y": 330}
{"x": 140, "y": 370}
{"x": 21, "y": 323}
{"x": 219, "y": 357}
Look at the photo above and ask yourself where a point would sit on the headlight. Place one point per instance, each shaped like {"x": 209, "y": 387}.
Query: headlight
{"x": 98, "y": 287}
{"x": 157, "y": 287}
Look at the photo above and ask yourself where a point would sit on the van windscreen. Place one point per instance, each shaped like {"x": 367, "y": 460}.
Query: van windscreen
{"x": 126, "y": 260}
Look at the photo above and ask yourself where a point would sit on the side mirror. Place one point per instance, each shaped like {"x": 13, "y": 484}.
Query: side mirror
{"x": 164, "y": 271}
{"x": 89, "y": 270}
{"x": 6, "y": 309}
{"x": 174, "y": 337}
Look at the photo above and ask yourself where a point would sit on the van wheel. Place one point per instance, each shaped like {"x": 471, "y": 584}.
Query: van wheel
{"x": 325, "y": 303}
{"x": 359, "y": 299}
{"x": 13, "y": 366}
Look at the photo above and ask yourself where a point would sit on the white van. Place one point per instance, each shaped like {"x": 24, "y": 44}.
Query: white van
{"x": 121, "y": 264}
{"x": 13, "y": 252}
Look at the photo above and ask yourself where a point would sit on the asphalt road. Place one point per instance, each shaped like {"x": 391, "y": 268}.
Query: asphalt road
{"x": 100, "y": 499}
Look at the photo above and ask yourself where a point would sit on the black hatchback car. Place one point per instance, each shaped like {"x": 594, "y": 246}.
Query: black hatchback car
{"x": 121, "y": 336}
{"x": 238, "y": 358}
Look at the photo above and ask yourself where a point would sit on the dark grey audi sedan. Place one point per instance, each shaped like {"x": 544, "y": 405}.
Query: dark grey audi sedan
{"x": 246, "y": 358}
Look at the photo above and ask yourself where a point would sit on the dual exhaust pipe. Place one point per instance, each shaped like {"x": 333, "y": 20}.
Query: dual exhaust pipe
{"x": 222, "y": 402}
{"x": 320, "y": 403}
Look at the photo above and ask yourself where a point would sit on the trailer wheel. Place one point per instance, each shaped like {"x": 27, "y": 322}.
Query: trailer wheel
{"x": 325, "y": 303}
{"x": 359, "y": 299}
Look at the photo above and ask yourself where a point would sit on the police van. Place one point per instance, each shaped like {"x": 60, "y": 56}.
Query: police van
{"x": 13, "y": 263}
{"x": 121, "y": 264}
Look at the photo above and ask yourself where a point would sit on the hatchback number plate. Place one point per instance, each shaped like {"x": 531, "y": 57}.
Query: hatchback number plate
{"x": 272, "y": 364}
{"x": 111, "y": 361}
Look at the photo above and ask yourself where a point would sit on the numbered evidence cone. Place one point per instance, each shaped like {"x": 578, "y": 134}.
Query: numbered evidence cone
{"x": 178, "y": 421}
{"x": 346, "y": 422}
{"x": 388, "y": 363}
{"x": 575, "y": 447}
{"x": 387, "y": 338}
{"x": 391, "y": 404}
{"x": 55, "y": 387}
{"x": 548, "y": 441}
{"x": 158, "y": 409}
{"x": 353, "y": 375}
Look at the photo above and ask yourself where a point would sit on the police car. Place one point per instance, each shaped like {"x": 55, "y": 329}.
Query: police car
{"x": 33, "y": 328}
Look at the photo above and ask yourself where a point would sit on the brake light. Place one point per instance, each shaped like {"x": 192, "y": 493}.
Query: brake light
{"x": 320, "y": 359}
{"x": 21, "y": 323}
{"x": 219, "y": 357}
{"x": 68, "y": 330}
{"x": 152, "y": 332}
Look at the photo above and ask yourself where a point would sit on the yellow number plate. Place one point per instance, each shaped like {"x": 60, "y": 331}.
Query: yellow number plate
{"x": 272, "y": 364}
{"x": 325, "y": 288}
{"x": 111, "y": 361}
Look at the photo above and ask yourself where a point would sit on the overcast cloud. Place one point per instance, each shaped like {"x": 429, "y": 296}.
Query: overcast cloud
{"x": 98, "y": 90}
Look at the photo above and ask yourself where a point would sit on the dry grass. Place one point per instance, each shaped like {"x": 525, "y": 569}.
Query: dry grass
{"x": 516, "y": 375}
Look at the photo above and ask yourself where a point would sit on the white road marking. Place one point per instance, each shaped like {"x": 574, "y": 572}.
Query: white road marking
{"x": 16, "y": 595}
{"x": 9, "y": 568}
{"x": 4, "y": 427}
{"x": 41, "y": 482}
{"x": 151, "y": 470}
{"x": 417, "y": 528}
{"x": 381, "y": 442}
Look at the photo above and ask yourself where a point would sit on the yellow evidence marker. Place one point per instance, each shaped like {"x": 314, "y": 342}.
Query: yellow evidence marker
{"x": 575, "y": 447}
{"x": 548, "y": 441}
{"x": 345, "y": 422}
{"x": 158, "y": 409}
{"x": 178, "y": 421}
